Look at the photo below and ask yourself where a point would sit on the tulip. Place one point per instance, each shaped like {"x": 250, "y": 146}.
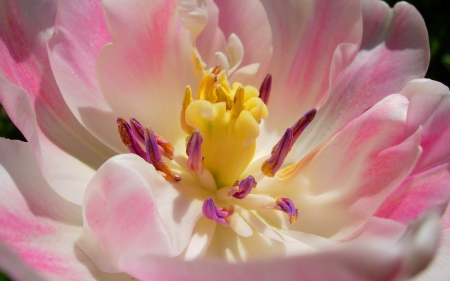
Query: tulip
{"x": 203, "y": 140}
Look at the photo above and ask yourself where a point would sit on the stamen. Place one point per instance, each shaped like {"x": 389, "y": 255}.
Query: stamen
{"x": 242, "y": 188}
{"x": 229, "y": 128}
{"x": 264, "y": 90}
{"x": 187, "y": 100}
{"x": 302, "y": 123}
{"x": 153, "y": 156}
{"x": 223, "y": 96}
{"x": 218, "y": 215}
{"x": 287, "y": 206}
{"x": 273, "y": 164}
{"x": 238, "y": 101}
{"x": 194, "y": 152}
{"x": 138, "y": 130}
{"x": 165, "y": 148}
{"x": 282, "y": 148}
{"x": 206, "y": 87}
{"x": 216, "y": 70}
{"x": 128, "y": 138}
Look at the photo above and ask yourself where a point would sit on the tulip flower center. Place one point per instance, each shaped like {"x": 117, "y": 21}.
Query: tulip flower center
{"x": 222, "y": 124}
{"x": 227, "y": 117}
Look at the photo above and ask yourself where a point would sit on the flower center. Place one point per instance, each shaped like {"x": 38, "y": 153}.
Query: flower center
{"x": 228, "y": 120}
{"x": 222, "y": 124}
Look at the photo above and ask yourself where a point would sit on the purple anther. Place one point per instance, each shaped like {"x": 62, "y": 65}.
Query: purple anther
{"x": 194, "y": 152}
{"x": 151, "y": 146}
{"x": 287, "y": 206}
{"x": 243, "y": 188}
{"x": 302, "y": 123}
{"x": 279, "y": 153}
{"x": 154, "y": 157}
{"x": 218, "y": 215}
{"x": 138, "y": 130}
{"x": 282, "y": 148}
{"x": 264, "y": 90}
{"x": 165, "y": 148}
{"x": 128, "y": 137}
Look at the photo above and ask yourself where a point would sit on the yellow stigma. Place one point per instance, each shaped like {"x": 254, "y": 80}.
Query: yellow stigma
{"x": 227, "y": 118}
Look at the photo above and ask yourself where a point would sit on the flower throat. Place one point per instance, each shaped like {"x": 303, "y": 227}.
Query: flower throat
{"x": 222, "y": 124}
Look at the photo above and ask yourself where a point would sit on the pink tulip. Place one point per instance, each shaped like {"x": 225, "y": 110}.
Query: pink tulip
{"x": 337, "y": 168}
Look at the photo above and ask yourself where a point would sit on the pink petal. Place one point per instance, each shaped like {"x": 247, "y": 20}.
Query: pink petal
{"x": 416, "y": 194}
{"x": 352, "y": 174}
{"x": 38, "y": 227}
{"x": 377, "y": 227}
{"x": 369, "y": 259}
{"x": 144, "y": 72}
{"x": 37, "y": 107}
{"x": 254, "y": 32}
{"x": 306, "y": 37}
{"x": 211, "y": 40}
{"x": 429, "y": 183}
{"x": 80, "y": 34}
{"x": 67, "y": 156}
{"x": 394, "y": 50}
{"x": 431, "y": 111}
{"x": 129, "y": 207}
{"x": 438, "y": 269}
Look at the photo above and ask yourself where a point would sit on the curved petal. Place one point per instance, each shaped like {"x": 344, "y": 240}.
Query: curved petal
{"x": 417, "y": 193}
{"x": 38, "y": 227}
{"x": 39, "y": 110}
{"x": 254, "y": 32}
{"x": 211, "y": 40}
{"x": 370, "y": 259}
{"x": 431, "y": 111}
{"x": 342, "y": 185}
{"x": 202, "y": 235}
{"x": 394, "y": 50}
{"x": 144, "y": 72}
{"x": 67, "y": 160}
{"x": 429, "y": 183}
{"x": 11, "y": 263}
{"x": 264, "y": 243}
{"x": 438, "y": 269}
{"x": 129, "y": 207}
{"x": 80, "y": 34}
{"x": 306, "y": 35}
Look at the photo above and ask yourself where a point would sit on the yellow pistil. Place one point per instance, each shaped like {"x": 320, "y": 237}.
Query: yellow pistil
{"x": 227, "y": 118}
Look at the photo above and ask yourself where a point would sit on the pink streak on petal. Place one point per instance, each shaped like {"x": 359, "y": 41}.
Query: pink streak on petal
{"x": 37, "y": 226}
{"x": 363, "y": 164}
{"x": 150, "y": 59}
{"x": 80, "y": 33}
{"x": 417, "y": 194}
{"x": 306, "y": 35}
{"x": 30, "y": 95}
{"x": 158, "y": 30}
{"x": 11, "y": 224}
{"x": 254, "y": 32}
{"x": 394, "y": 50}
{"x": 429, "y": 183}
{"x": 211, "y": 39}
{"x": 128, "y": 206}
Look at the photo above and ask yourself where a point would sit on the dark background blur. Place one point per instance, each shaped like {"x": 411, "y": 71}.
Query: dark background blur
{"x": 437, "y": 18}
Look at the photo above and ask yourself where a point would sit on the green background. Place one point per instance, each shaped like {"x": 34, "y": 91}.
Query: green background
{"x": 436, "y": 14}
